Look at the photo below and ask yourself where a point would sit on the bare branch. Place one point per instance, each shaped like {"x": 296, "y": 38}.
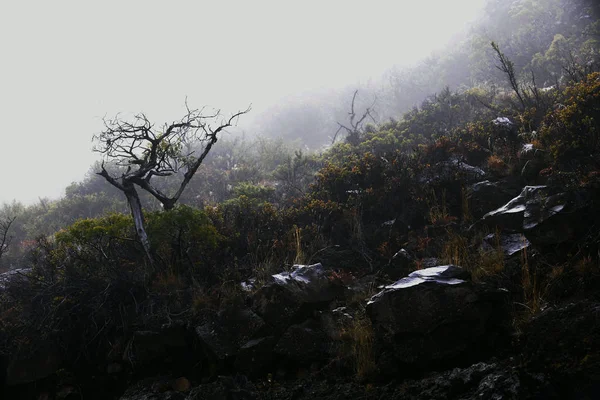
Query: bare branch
{"x": 147, "y": 153}
{"x": 5, "y": 239}
{"x": 356, "y": 127}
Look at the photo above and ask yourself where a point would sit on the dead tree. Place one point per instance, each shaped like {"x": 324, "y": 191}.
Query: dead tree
{"x": 508, "y": 68}
{"x": 354, "y": 131}
{"x": 5, "y": 239}
{"x": 144, "y": 152}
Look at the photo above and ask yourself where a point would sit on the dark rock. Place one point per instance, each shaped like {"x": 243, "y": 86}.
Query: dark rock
{"x": 485, "y": 196}
{"x": 333, "y": 322}
{"x": 531, "y": 162}
{"x": 544, "y": 216}
{"x": 565, "y": 343}
{"x": 400, "y": 265}
{"x": 29, "y": 365}
{"x": 155, "y": 388}
{"x": 166, "y": 345}
{"x": 255, "y": 358}
{"x": 18, "y": 274}
{"x": 510, "y": 216}
{"x": 435, "y": 316}
{"x": 429, "y": 262}
{"x": 479, "y": 381}
{"x": 510, "y": 243}
{"x": 224, "y": 333}
{"x": 224, "y": 388}
{"x": 304, "y": 342}
{"x": 450, "y": 170}
{"x": 291, "y": 297}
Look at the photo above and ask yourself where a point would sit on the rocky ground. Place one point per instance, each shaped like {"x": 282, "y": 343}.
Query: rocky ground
{"x": 319, "y": 332}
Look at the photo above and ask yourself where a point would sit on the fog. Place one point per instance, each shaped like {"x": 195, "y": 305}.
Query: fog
{"x": 67, "y": 64}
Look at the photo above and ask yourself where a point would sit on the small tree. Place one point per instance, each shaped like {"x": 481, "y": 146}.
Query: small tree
{"x": 355, "y": 130}
{"x": 143, "y": 152}
{"x": 508, "y": 68}
{"x": 5, "y": 239}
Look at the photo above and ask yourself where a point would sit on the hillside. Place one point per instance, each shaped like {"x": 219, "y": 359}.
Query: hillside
{"x": 448, "y": 250}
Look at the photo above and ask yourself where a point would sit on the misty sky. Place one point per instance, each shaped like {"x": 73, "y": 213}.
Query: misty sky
{"x": 66, "y": 64}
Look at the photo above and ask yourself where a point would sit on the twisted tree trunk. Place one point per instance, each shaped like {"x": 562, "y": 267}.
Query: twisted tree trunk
{"x": 135, "y": 206}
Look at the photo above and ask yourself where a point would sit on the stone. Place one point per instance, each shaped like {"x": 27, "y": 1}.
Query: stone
{"x": 435, "y": 315}
{"x": 485, "y": 196}
{"x": 222, "y": 334}
{"x": 543, "y": 215}
{"x": 255, "y": 358}
{"x": 181, "y": 384}
{"x": 509, "y": 243}
{"x": 304, "y": 342}
{"x": 148, "y": 347}
{"x": 30, "y": 365}
{"x": 291, "y": 297}
{"x": 400, "y": 264}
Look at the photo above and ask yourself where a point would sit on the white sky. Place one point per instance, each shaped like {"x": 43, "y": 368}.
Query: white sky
{"x": 66, "y": 64}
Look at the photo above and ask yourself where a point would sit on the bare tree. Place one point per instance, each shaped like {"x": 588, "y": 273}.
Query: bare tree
{"x": 5, "y": 239}
{"x": 356, "y": 125}
{"x": 508, "y": 68}
{"x": 144, "y": 152}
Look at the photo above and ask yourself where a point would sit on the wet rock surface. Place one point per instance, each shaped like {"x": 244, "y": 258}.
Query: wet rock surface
{"x": 509, "y": 243}
{"x": 292, "y": 296}
{"x": 222, "y": 334}
{"x": 542, "y": 214}
{"x": 433, "y": 316}
{"x": 487, "y": 195}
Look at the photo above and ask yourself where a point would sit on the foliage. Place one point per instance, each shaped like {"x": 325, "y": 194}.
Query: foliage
{"x": 572, "y": 130}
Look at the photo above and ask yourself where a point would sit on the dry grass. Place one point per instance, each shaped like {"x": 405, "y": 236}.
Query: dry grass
{"x": 168, "y": 282}
{"x": 465, "y": 206}
{"x": 299, "y": 258}
{"x": 496, "y": 164}
{"x": 438, "y": 213}
{"x": 531, "y": 290}
{"x": 481, "y": 263}
{"x": 456, "y": 250}
{"x": 358, "y": 334}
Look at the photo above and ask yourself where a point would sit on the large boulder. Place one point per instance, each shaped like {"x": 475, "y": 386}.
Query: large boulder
{"x": 223, "y": 333}
{"x": 544, "y": 214}
{"x": 255, "y": 358}
{"x": 291, "y": 297}
{"x": 157, "y": 347}
{"x": 435, "y": 316}
{"x": 486, "y": 195}
{"x": 29, "y": 365}
{"x": 564, "y": 342}
{"x": 19, "y": 274}
{"x": 304, "y": 342}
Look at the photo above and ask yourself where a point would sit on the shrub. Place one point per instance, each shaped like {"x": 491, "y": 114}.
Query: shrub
{"x": 572, "y": 130}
